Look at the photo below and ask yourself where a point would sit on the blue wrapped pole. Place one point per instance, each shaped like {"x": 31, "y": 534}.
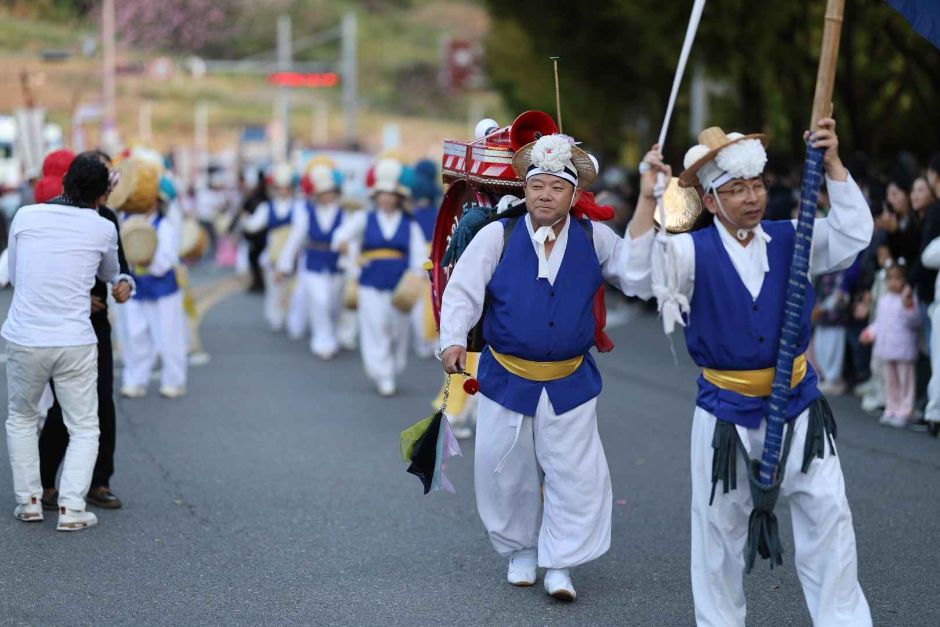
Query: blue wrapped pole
{"x": 792, "y": 315}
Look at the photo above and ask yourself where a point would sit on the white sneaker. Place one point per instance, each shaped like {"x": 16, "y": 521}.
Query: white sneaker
{"x": 133, "y": 391}
{"x": 387, "y": 388}
{"x": 168, "y": 391}
{"x": 29, "y": 512}
{"x": 872, "y": 403}
{"x": 522, "y": 568}
{"x": 200, "y": 358}
{"x": 324, "y": 355}
{"x": 75, "y": 520}
{"x": 558, "y": 584}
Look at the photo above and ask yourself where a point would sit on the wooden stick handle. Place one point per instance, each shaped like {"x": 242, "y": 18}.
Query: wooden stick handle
{"x": 561, "y": 127}
{"x": 828, "y": 58}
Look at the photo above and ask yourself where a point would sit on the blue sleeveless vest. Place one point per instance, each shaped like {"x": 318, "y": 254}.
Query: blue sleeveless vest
{"x": 384, "y": 274}
{"x": 274, "y": 221}
{"x": 535, "y": 320}
{"x": 729, "y": 330}
{"x": 150, "y": 287}
{"x": 426, "y": 216}
{"x": 318, "y": 256}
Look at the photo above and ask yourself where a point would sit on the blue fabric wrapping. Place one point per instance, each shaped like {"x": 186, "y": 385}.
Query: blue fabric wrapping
{"x": 922, "y": 15}
{"x": 473, "y": 219}
{"x": 789, "y": 336}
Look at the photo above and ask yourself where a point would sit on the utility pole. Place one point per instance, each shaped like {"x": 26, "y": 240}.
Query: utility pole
{"x": 109, "y": 135}
{"x": 284, "y": 60}
{"x": 350, "y": 71}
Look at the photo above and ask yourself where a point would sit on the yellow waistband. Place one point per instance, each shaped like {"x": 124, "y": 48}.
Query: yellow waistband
{"x": 538, "y": 370}
{"x": 380, "y": 253}
{"x": 753, "y": 382}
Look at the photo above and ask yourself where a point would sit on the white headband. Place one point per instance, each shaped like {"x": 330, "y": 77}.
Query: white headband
{"x": 568, "y": 173}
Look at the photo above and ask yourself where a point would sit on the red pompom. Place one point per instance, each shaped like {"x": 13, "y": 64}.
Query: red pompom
{"x": 57, "y": 163}
{"x": 47, "y": 188}
{"x": 471, "y": 386}
{"x": 306, "y": 184}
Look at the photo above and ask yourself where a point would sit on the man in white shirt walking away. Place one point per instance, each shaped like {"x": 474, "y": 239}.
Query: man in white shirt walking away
{"x": 56, "y": 250}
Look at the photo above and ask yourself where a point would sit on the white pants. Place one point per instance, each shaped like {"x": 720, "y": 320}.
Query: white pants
{"x": 297, "y": 310}
{"x": 347, "y": 328}
{"x": 275, "y": 299}
{"x": 932, "y": 412}
{"x": 324, "y": 298}
{"x": 383, "y": 335}
{"x": 74, "y": 370}
{"x": 571, "y": 525}
{"x": 153, "y": 327}
{"x": 829, "y": 352}
{"x": 823, "y": 537}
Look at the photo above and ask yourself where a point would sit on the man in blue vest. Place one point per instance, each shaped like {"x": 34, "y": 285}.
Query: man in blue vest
{"x": 726, "y": 284}
{"x": 536, "y": 272}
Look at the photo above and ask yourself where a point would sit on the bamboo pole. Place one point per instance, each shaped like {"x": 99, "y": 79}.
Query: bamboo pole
{"x": 828, "y": 59}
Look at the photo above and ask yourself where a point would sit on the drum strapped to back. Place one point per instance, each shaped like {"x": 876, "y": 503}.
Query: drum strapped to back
{"x": 139, "y": 239}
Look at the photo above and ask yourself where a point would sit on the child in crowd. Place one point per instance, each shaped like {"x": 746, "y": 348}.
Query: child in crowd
{"x": 895, "y": 336}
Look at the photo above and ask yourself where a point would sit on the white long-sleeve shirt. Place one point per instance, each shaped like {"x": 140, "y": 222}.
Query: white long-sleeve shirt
{"x": 837, "y": 239}
{"x": 54, "y": 254}
{"x": 624, "y": 263}
{"x": 351, "y": 231}
{"x": 258, "y": 220}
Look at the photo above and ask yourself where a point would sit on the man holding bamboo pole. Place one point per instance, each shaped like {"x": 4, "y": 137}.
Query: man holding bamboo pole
{"x": 727, "y": 284}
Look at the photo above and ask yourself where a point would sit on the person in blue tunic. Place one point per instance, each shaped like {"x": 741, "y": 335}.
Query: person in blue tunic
{"x": 274, "y": 218}
{"x": 541, "y": 478}
{"x": 726, "y": 284}
{"x": 390, "y": 243}
{"x": 320, "y": 277}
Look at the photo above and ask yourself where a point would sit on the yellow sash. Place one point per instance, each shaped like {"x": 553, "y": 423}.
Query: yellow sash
{"x": 753, "y": 382}
{"x": 380, "y": 253}
{"x": 538, "y": 370}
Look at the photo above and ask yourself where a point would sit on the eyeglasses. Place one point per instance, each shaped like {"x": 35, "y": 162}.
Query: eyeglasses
{"x": 742, "y": 191}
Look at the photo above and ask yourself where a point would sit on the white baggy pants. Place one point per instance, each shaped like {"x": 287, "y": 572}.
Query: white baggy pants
{"x": 383, "y": 335}
{"x": 829, "y": 352}
{"x": 74, "y": 370}
{"x": 275, "y": 299}
{"x": 152, "y": 327}
{"x": 324, "y": 298}
{"x": 298, "y": 310}
{"x": 563, "y": 452}
{"x": 823, "y": 537}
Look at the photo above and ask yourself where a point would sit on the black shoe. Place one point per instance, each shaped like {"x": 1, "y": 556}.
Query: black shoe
{"x": 103, "y": 498}
{"x": 50, "y": 503}
{"x": 934, "y": 428}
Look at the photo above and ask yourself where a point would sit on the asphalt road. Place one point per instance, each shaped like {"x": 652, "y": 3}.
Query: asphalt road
{"x": 274, "y": 494}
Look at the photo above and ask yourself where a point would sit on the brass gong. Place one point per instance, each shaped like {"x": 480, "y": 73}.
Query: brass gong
{"x": 683, "y": 207}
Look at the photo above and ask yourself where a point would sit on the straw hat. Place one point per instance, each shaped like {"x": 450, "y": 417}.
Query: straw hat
{"x": 552, "y": 154}
{"x": 745, "y": 163}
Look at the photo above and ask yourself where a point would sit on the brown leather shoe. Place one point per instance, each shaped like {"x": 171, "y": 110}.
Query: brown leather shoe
{"x": 103, "y": 497}
{"x": 50, "y": 500}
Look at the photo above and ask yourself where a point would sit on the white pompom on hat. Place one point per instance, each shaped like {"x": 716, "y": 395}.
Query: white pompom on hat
{"x": 323, "y": 179}
{"x": 282, "y": 176}
{"x": 719, "y": 158}
{"x": 557, "y": 155}
{"x": 388, "y": 173}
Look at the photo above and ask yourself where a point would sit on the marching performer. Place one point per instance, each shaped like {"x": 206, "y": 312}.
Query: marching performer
{"x": 390, "y": 244}
{"x": 726, "y": 284}
{"x": 154, "y": 322}
{"x": 426, "y": 194}
{"x": 542, "y": 482}
{"x": 320, "y": 277}
{"x": 274, "y": 216}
